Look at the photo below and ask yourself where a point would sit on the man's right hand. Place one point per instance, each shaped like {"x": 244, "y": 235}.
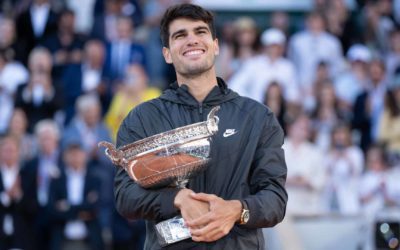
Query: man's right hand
{"x": 189, "y": 207}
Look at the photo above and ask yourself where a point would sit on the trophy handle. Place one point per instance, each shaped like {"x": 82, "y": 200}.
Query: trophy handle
{"x": 213, "y": 120}
{"x": 115, "y": 155}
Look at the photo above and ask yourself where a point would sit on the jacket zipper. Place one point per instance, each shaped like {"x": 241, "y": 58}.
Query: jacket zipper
{"x": 201, "y": 109}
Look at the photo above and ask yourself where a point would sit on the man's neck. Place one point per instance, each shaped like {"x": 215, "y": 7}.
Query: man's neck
{"x": 199, "y": 86}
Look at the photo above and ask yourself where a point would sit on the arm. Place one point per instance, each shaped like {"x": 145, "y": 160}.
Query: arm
{"x": 267, "y": 202}
{"x": 133, "y": 201}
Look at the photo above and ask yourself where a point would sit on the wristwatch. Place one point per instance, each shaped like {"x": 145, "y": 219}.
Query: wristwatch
{"x": 245, "y": 215}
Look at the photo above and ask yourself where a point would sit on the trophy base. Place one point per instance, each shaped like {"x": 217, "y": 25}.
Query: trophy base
{"x": 171, "y": 231}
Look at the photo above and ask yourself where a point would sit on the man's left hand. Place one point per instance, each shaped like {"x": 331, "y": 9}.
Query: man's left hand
{"x": 218, "y": 222}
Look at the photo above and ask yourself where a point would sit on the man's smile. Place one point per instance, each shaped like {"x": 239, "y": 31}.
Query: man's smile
{"x": 193, "y": 52}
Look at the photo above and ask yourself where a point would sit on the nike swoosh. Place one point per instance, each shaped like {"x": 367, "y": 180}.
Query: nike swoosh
{"x": 226, "y": 134}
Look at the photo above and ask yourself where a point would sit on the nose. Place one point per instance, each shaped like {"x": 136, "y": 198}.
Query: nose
{"x": 192, "y": 39}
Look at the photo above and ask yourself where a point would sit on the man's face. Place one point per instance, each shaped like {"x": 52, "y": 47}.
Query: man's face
{"x": 192, "y": 49}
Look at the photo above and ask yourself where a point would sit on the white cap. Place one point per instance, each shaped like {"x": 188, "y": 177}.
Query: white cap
{"x": 273, "y": 36}
{"x": 359, "y": 52}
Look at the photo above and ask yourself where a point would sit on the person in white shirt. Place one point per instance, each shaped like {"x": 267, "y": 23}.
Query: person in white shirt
{"x": 257, "y": 73}
{"x": 344, "y": 165}
{"x": 308, "y": 48}
{"x": 356, "y": 78}
{"x": 305, "y": 163}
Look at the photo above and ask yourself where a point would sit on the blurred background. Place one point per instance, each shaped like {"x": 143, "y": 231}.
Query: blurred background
{"x": 71, "y": 70}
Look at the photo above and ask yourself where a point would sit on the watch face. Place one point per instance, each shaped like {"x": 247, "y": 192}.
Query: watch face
{"x": 246, "y": 216}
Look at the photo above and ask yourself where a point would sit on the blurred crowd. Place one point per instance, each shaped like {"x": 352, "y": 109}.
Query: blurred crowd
{"x": 71, "y": 70}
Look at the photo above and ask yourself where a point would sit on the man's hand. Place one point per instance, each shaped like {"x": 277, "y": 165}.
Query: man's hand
{"x": 218, "y": 222}
{"x": 190, "y": 208}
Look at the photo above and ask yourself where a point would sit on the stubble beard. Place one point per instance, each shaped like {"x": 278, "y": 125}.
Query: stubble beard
{"x": 189, "y": 71}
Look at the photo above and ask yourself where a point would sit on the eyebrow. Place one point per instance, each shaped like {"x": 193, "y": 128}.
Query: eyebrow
{"x": 202, "y": 27}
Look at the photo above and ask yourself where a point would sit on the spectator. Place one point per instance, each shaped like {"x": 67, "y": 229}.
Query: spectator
{"x": 310, "y": 47}
{"x": 15, "y": 216}
{"x": 66, "y": 45}
{"x": 40, "y": 98}
{"x": 121, "y": 52}
{"x": 132, "y": 92}
{"x": 105, "y": 23}
{"x": 18, "y": 128}
{"x": 369, "y": 104}
{"x": 12, "y": 74}
{"x": 304, "y": 160}
{"x": 44, "y": 168}
{"x": 88, "y": 129}
{"x": 344, "y": 165}
{"x": 246, "y": 44}
{"x": 252, "y": 79}
{"x": 84, "y": 77}
{"x": 373, "y": 187}
{"x": 35, "y": 24}
{"x": 392, "y": 57}
{"x": 9, "y": 40}
{"x": 274, "y": 100}
{"x": 326, "y": 115}
{"x": 354, "y": 80}
{"x": 389, "y": 123}
{"x": 73, "y": 203}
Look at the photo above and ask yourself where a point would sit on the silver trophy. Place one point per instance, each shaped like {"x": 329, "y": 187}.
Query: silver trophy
{"x": 167, "y": 159}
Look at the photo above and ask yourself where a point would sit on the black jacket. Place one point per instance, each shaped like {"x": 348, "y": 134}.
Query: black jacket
{"x": 248, "y": 165}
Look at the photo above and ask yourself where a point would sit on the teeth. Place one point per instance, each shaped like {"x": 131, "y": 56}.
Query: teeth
{"x": 194, "y": 52}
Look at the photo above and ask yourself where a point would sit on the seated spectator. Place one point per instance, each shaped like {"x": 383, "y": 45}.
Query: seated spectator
{"x": 73, "y": 203}
{"x": 18, "y": 128}
{"x": 132, "y": 92}
{"x": 344, "y": 165}
{"x": 40, "y": 98}
{"x": 9, "y": 40}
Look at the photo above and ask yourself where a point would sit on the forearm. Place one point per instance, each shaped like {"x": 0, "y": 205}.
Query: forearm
{"x": 135, "y": 202}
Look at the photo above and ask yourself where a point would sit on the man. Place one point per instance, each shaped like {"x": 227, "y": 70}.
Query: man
{"x": 73, "y": 203}
{"x": 16, "y": 209}
{"x": 41, "y": 171}
{"x": 247, "y": 173}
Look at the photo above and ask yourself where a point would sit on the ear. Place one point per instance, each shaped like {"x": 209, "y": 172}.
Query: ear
{"x": 216, "y": 47}
{"x": 167, "y": 55}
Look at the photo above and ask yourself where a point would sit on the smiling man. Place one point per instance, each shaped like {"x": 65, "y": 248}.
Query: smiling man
{"x": 242, "y": 190}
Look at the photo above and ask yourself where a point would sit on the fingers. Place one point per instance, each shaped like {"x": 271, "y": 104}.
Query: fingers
{"x": 209, "y": 233}
{"x": 197, "y": 222}
{"x": 203, "y": 197}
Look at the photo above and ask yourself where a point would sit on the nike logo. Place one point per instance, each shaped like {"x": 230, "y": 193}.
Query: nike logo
{"x": 229, "y": 132}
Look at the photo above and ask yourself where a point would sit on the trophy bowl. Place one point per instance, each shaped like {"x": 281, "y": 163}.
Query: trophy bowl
{"x": 168, "y": 158}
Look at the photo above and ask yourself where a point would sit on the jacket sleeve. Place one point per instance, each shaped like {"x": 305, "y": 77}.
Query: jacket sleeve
{"x": 267, "y": 202}
{"x": 133, "y": 201}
